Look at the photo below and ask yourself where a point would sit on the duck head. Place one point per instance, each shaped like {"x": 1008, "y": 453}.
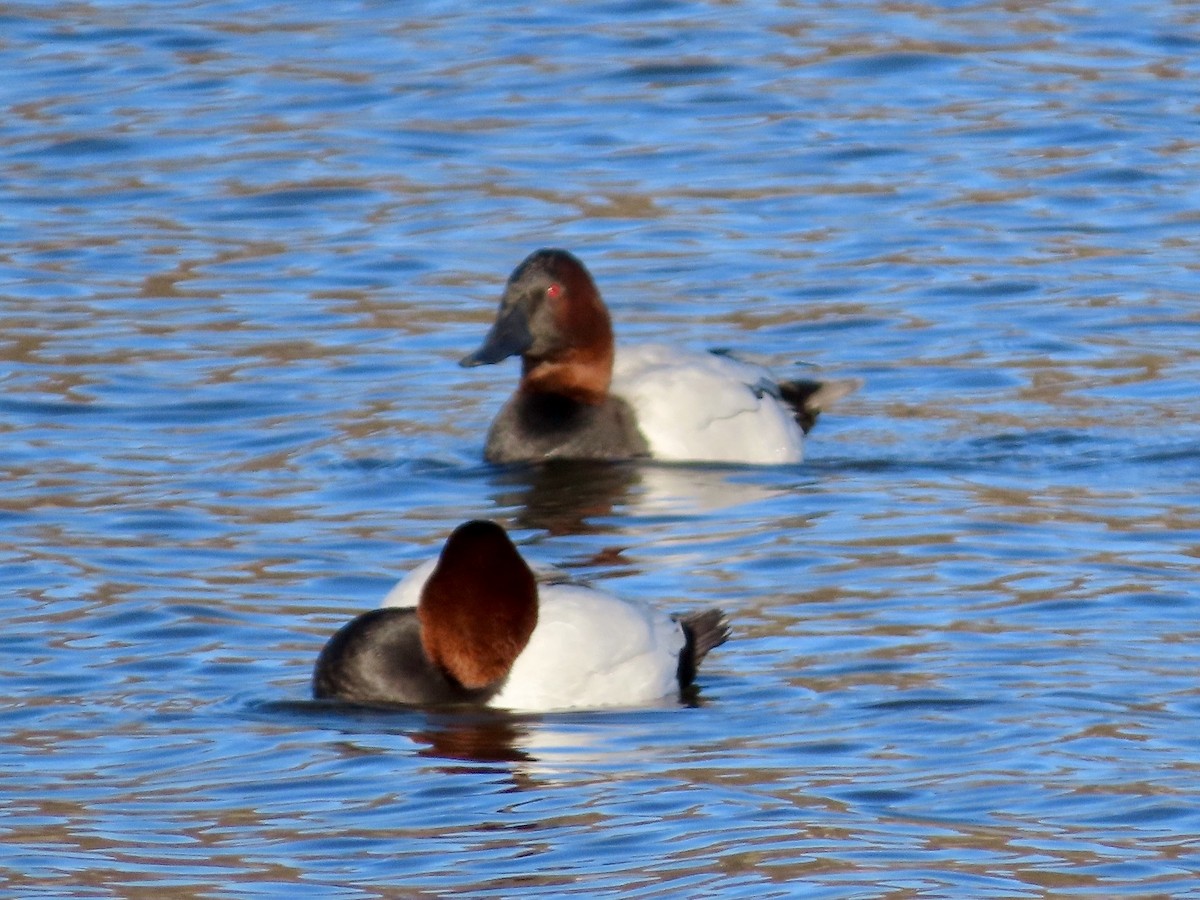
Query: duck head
{"x": 552, "y": 316}
{"x": 479, "y": 606}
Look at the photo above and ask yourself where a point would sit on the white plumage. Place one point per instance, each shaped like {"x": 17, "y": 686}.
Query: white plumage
{"x": 692, "y": 405}
{"x": 589, "y": 648}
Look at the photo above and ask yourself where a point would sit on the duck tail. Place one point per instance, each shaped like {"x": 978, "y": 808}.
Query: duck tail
{"x": 702, "y": 631}
{"x": 809, "y": 398}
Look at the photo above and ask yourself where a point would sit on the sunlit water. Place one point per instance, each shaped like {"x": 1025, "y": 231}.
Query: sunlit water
{"x": 242, "y": 247}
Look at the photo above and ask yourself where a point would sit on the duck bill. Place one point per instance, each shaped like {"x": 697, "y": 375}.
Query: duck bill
{"x": 509, "y": 336}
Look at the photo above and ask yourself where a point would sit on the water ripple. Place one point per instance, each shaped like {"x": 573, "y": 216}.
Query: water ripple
{"x": 244, "y": 247}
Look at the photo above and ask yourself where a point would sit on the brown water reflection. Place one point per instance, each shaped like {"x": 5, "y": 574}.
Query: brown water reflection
{"x": 242, "y": 250}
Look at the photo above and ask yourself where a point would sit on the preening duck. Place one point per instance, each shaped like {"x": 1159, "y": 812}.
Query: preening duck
{"x": 484, "y": 632}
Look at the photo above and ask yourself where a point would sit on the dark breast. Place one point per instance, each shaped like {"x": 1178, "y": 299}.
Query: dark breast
{"x": 534, "y": 427}
{"x": 377, "y": 659}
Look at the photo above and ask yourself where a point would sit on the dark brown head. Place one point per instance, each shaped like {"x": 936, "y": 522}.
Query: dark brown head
{"x": 552, "y": 316}
{"x": 479, "y": 607}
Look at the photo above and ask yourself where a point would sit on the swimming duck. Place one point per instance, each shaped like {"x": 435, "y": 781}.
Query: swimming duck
{"x": 580, "y": 397}
{"x": 484, "y": 632}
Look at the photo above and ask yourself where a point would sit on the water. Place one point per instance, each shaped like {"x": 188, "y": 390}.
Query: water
{"x": 242, "y": 247}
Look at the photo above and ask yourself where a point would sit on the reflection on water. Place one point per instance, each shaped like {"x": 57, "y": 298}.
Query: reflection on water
{"x": 470, "y": 739}
{"x": 576, "y": 497}
{"x": 483, "y": 736}
{"x": 241, "y": 249}
{"x": 565, "y": 497}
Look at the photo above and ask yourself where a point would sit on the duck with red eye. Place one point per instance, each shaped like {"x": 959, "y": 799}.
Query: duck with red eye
{"x": 484, "y": 632}
{"x": 552, "y": 317}
{"x": 581, "y": 398}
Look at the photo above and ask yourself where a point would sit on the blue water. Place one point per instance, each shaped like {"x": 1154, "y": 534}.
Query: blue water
{"x": 242, "y": 247}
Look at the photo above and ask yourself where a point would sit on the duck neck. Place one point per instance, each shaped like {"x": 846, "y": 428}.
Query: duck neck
{"x": 579, "y": 374}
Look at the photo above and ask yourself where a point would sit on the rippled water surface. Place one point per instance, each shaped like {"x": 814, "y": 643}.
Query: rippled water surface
{"x": 242, "y": 247}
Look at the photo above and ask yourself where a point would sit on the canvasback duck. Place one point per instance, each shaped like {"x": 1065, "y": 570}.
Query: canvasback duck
{"x": 483, "y": 632}
{"x": 582, "y": 398}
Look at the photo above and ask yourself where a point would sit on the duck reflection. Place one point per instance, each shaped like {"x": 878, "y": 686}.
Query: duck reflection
{"x": 483, "y": 736}
{"x": 566, "y": 497}
{"x": 531, "y": 750}
{"x": 542, "y": 747}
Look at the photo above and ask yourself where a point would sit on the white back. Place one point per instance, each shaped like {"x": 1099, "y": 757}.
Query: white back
{"x": 592, "y": 649}
{"x": 407, "y": 591}
{"x": 589, "y": 648}
{"x": 700, "y": 406}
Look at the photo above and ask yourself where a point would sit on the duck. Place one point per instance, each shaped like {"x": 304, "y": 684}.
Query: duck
{"x": 475, "y": 628}
{"x": 582, "y": 397}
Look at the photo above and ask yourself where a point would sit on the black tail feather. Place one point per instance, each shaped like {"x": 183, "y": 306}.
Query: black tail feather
{"x": 808, "y": 398}
{"x": 702, "y": 631}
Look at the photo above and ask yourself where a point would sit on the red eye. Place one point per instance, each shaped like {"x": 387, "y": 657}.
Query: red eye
{"x": 554, "y": 291}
